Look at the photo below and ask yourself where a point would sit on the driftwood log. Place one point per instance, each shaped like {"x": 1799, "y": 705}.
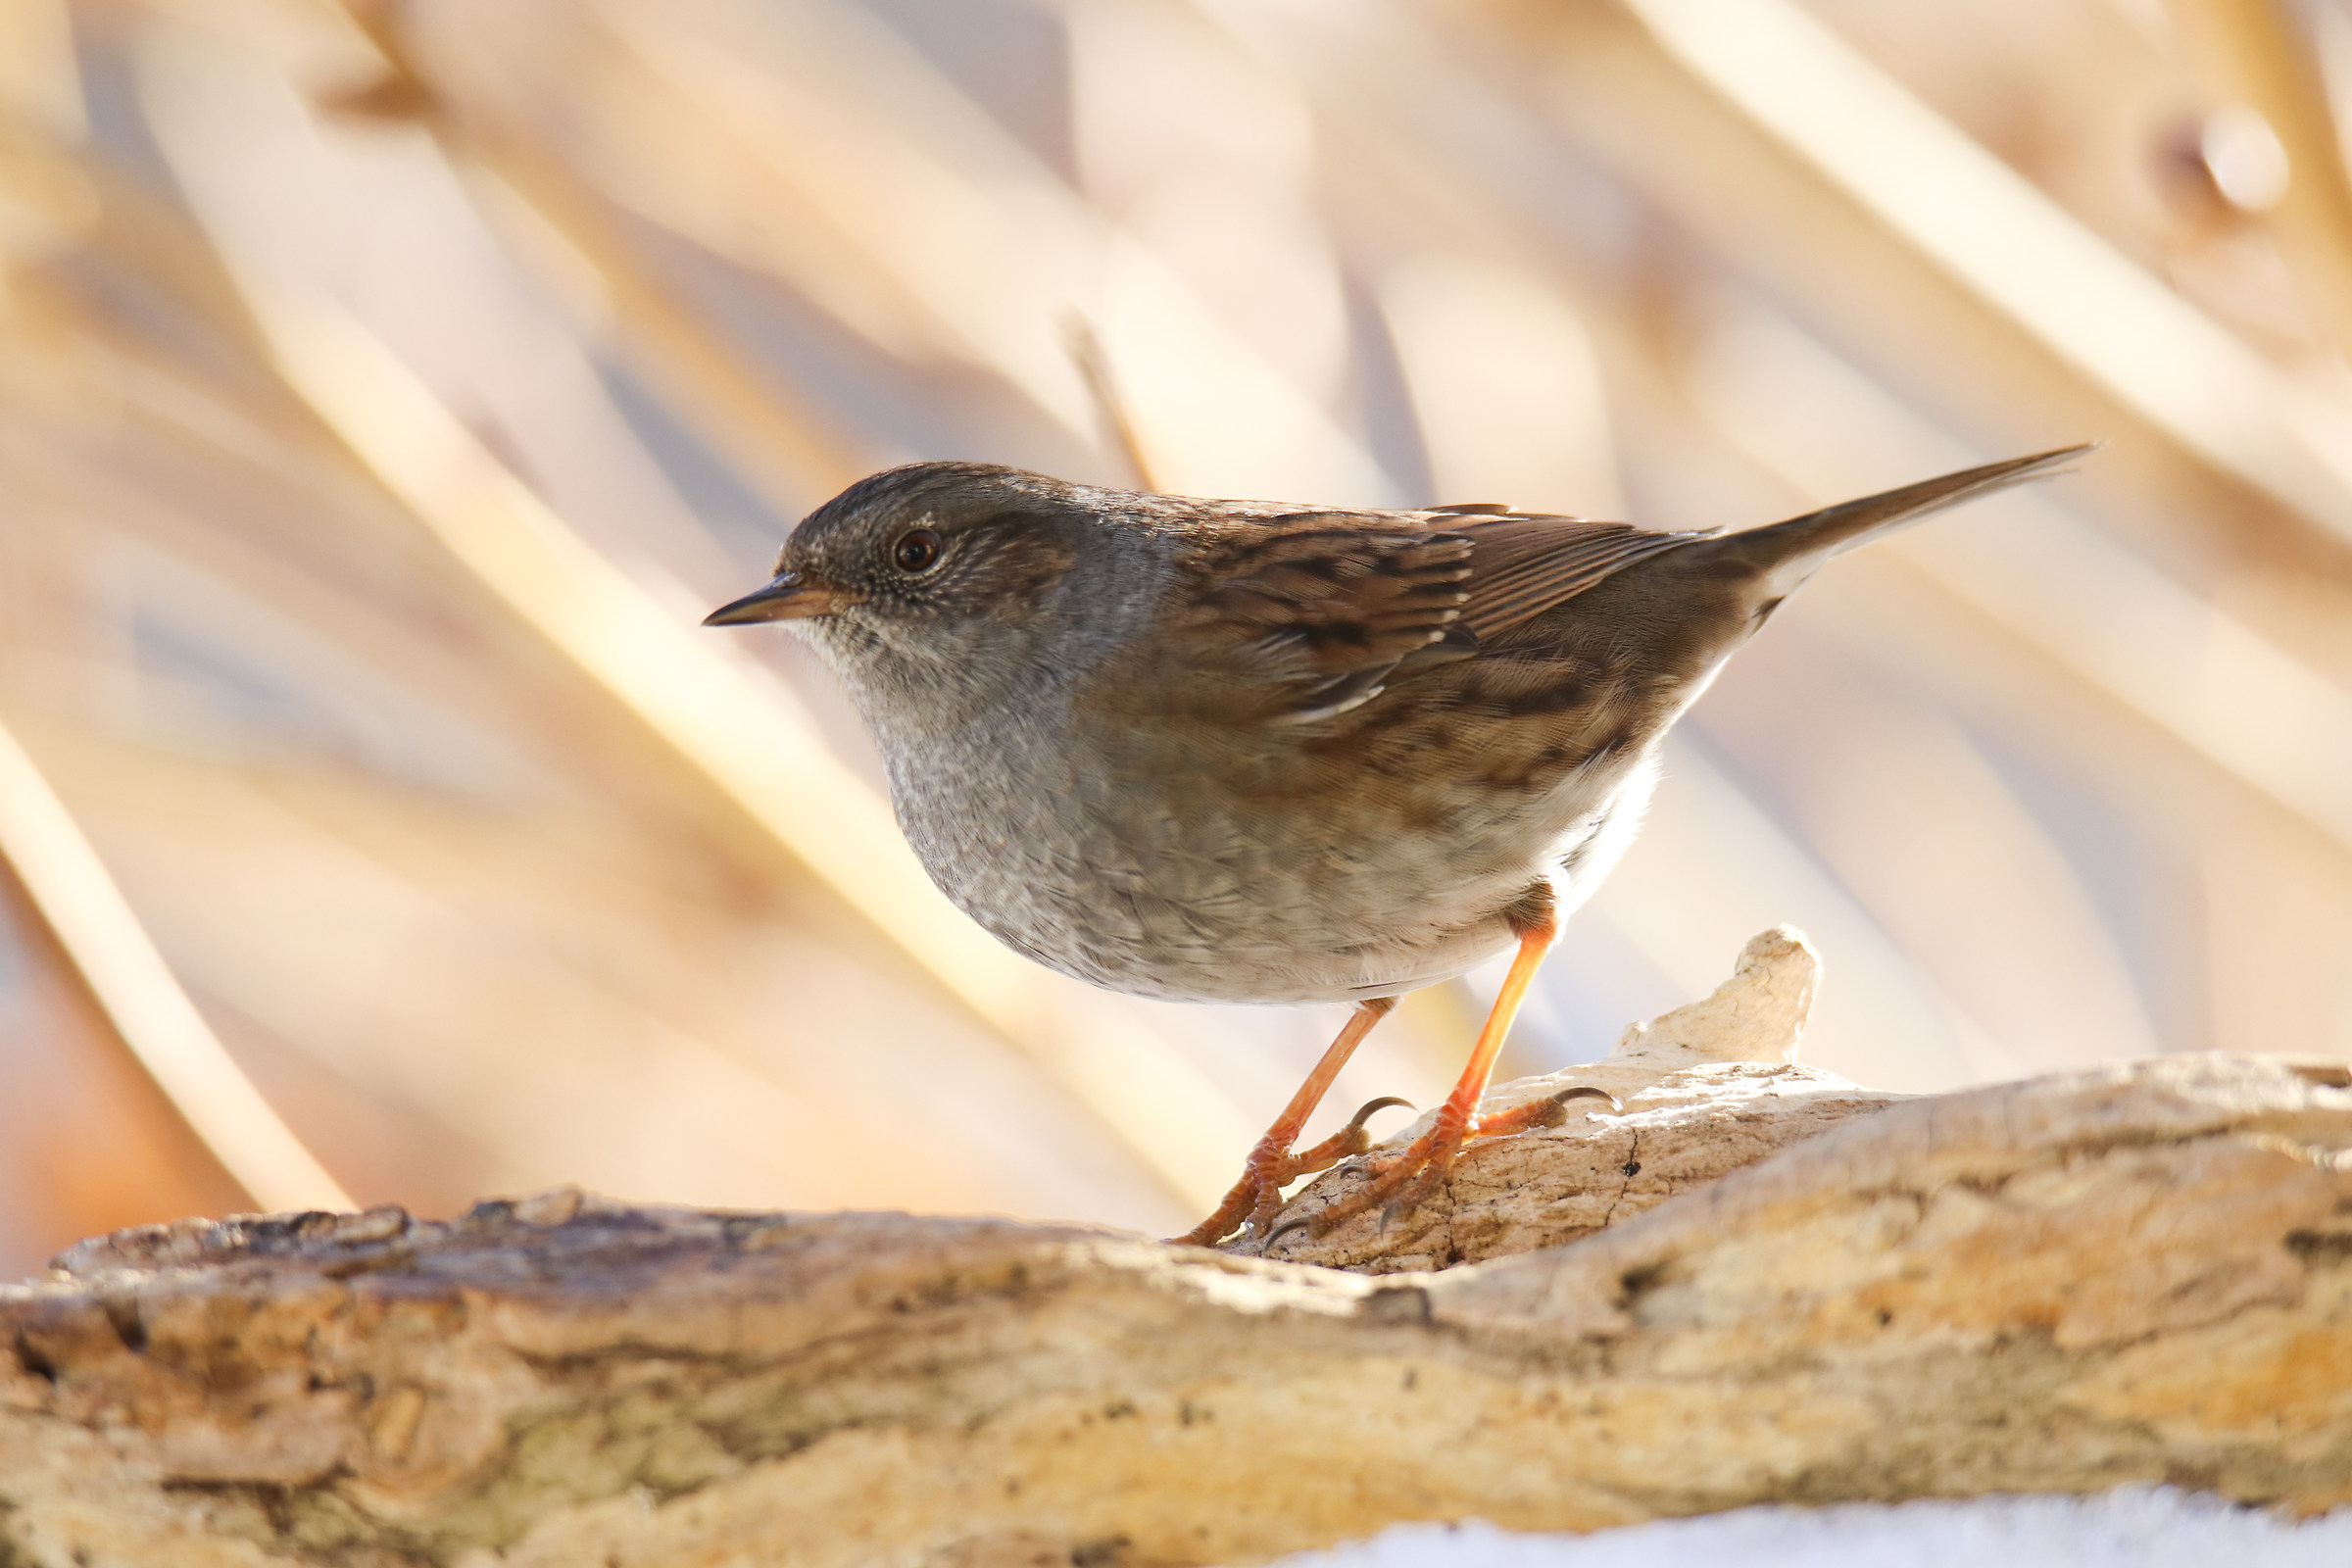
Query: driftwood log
{"x": 2143, "y": 1273}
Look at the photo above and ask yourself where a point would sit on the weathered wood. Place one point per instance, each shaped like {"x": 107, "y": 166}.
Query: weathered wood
{"x": 2142, "y": 1272}
{"x": 1704, "y": 1090}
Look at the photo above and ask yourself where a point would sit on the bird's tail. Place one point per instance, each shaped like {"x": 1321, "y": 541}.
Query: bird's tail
{"x": 1787, "y": 553}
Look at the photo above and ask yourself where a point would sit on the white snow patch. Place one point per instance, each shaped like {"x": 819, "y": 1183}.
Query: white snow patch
{"x": 2135, "y": 1526}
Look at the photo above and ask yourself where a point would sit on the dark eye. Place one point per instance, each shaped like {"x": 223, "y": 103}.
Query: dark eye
{"x": 917, "y": 550}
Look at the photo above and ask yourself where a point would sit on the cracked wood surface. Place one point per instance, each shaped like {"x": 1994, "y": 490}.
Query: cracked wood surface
{"x": 1705, "y": 1089}
{"x": 2137, "y": 1273}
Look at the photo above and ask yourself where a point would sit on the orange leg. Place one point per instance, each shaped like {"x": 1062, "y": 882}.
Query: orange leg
{"x": 1272, "y": 1163}
{"x": 1413, "y": 1175}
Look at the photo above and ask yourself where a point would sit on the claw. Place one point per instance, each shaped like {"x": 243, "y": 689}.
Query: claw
{"x": 1363, "y": 1115}
{"x": 1352, "y": 1138}
{"x": 1555, "y": 1108}
{"x": 1589, "y": 1092}
{"x": 1297, "y": 1222}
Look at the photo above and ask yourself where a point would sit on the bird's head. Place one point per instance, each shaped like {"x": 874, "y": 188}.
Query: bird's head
{"x": 939, "y": 578}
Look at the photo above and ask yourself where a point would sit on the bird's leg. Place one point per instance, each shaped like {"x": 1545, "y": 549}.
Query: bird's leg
{"x": 1413, "y": 1175}
{"x": 1272, "y": 1163}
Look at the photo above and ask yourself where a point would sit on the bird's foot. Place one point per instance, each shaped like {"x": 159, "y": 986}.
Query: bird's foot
{"x": 1402, "y": 1184}
{"x": 1271, "y": 1166}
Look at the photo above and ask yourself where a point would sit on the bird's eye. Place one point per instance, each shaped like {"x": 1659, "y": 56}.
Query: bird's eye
{"x": 917, "y": 550}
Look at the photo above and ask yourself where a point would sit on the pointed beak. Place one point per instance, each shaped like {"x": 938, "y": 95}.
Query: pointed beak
{"x": 791, "y": 597}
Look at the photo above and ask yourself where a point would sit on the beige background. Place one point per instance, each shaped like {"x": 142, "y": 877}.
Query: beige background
{"x": 309, "y": 323}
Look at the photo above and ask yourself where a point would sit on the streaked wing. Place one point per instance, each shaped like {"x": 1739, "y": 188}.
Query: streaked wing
{"x": 1520, "y": 566}
{"x": 1313, "y": 613}
{"x": 1321, "y": 607}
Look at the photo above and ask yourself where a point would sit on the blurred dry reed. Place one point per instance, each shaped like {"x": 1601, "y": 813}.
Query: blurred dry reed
{"x": 385, "y": 389}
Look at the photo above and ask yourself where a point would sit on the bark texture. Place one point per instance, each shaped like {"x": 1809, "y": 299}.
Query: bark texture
{"x": 1704, "y": 1090}
{"x": 2137, "y": 1273}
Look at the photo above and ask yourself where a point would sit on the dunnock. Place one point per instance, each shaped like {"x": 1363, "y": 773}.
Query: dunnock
{"x": 1238, "y": 750}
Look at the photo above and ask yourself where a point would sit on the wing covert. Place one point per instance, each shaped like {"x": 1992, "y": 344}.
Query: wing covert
{"x": 1311, "y": 613}
{"x": 1522, "y": 565}
{"x": 1323, "y": 607}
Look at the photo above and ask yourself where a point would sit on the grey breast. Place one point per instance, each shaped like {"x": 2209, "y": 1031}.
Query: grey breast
{"x": 1122, "y": 858}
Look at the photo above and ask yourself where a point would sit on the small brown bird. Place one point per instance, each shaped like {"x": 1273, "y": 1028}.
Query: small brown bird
{"x": 1236, "y": 750}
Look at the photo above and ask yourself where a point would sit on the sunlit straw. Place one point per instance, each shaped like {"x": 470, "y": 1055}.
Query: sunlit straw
{"x": 141, "y": 1002}
{"x": 1992, "y": 229}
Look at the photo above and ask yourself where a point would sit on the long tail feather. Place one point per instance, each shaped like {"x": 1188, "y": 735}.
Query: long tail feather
{"x": 1788, "y": 553}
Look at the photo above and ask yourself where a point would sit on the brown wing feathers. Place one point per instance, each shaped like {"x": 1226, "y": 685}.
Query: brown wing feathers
{"x": 1325, "y": 607}
{"x": 1315, "y": 611}
{"x": 1341, "y": 596}
{"x": 1521, "y": 567}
